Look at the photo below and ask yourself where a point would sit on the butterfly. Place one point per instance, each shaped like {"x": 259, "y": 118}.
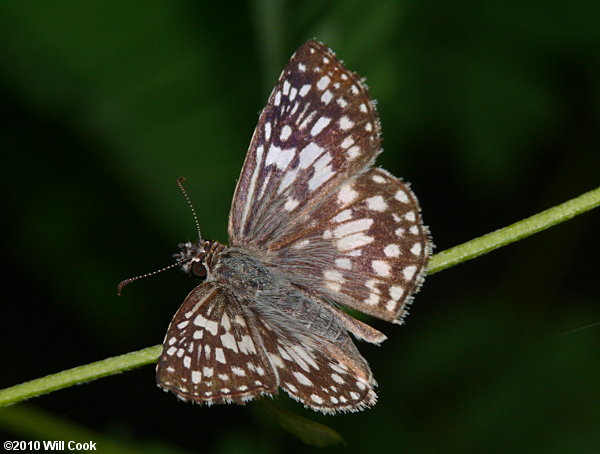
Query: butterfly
{"x": 313, "y": 228}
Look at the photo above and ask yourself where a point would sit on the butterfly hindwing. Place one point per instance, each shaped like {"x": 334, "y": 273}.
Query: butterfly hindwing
{"x": 368, "y": 250}
{"x": 211, "y": 353}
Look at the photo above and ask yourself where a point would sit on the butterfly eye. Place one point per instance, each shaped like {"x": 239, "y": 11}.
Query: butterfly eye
{"x": 198, "y": 270}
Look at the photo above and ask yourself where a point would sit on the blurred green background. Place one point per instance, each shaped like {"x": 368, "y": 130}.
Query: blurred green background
{"x": 490, "y": 109}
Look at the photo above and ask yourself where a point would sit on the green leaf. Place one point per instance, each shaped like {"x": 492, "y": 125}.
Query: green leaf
{"x": 310, "y": 432}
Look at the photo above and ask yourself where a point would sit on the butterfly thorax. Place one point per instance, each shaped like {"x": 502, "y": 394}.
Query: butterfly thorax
{"x": 270, "y": 294}
{"x": 248, "y": 278}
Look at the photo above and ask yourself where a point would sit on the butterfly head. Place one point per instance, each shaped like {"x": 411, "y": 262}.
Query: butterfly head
{"x": 198, "y": 259}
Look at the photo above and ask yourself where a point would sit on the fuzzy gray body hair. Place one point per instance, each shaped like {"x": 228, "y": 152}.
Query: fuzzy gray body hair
{"x": 268, "y": 293}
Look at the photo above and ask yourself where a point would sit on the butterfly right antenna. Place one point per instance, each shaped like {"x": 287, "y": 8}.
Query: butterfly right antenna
{"x": 180, "y": 181}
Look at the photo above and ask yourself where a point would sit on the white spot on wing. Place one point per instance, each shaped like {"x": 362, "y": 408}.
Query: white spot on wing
{"x": 372, "y": 300}
{"x": 343, "y": 216}
{"x": 409, "y": 272}
{"x": 323, "y": 82}
{"x": 323, "y": 172}
{"x": 316, "y": 398}
{"x": 345, "y": 123}
{"x": 391, "y": 250}
{"x": 304, "y": 90}
{"x": 200, "y": 320}
{"x": 337, "y": 378}
{"x": 376, "y": 203}
{"x": 416, "y": 249}
{"x": 196, "y": 377}
{"x": 401, "y": 196}
{"x": 381, "y": 267}
{"x": 353, "y": 152}
{"x": 333, "y": 279}
{"x": 291, "y": 387}
{"x": 302, "y": 379}
{"x": 396, "y": 292}
{"x": 225, "y": 322}
{"x": 319, "y": 125}
{"x": 351, "y": 227}
{"x": 281, "y": 158}
{"x": 212, "y": 327}
{"x": 353, "y": 241}
{"x": 347, "y": 142}
{"x": 343, "y": 263}
{"x": 326, "y": 97}
{"x": 219, "y": 355}
{"x": 238, "y": 371}
{"x": 301, "y": 244}
{"x": 229, "y": 342}
{"x": 291, "y": 204}
{"x": 308, "y": 155}
{"x": 286, "y": 132}
{"x": 288, "y": 178}
{"x": 346, "y": 195}
{"x": 251, "y": 188}
{"x": 293, "y": 93}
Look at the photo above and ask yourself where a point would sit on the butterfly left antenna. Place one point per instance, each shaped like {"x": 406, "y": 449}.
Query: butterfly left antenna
{"x": 125, "y": 282}
{"x": 180, "y": 181}
{"x": 142, "y": 276}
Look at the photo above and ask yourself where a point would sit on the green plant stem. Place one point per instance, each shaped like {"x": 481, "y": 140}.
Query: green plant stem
{"x": 78, "y": 375}
{"x": 438, "y": 262}
{"x": 514, "y": 232}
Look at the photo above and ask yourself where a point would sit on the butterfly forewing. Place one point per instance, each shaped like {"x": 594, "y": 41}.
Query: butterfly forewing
{"x": 306, "y": 193}
{"x": 211, "y": 352}
{"x": 318, "y": 129}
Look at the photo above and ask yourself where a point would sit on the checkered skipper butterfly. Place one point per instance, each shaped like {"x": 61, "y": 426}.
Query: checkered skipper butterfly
{"x": 313, "y": 227}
